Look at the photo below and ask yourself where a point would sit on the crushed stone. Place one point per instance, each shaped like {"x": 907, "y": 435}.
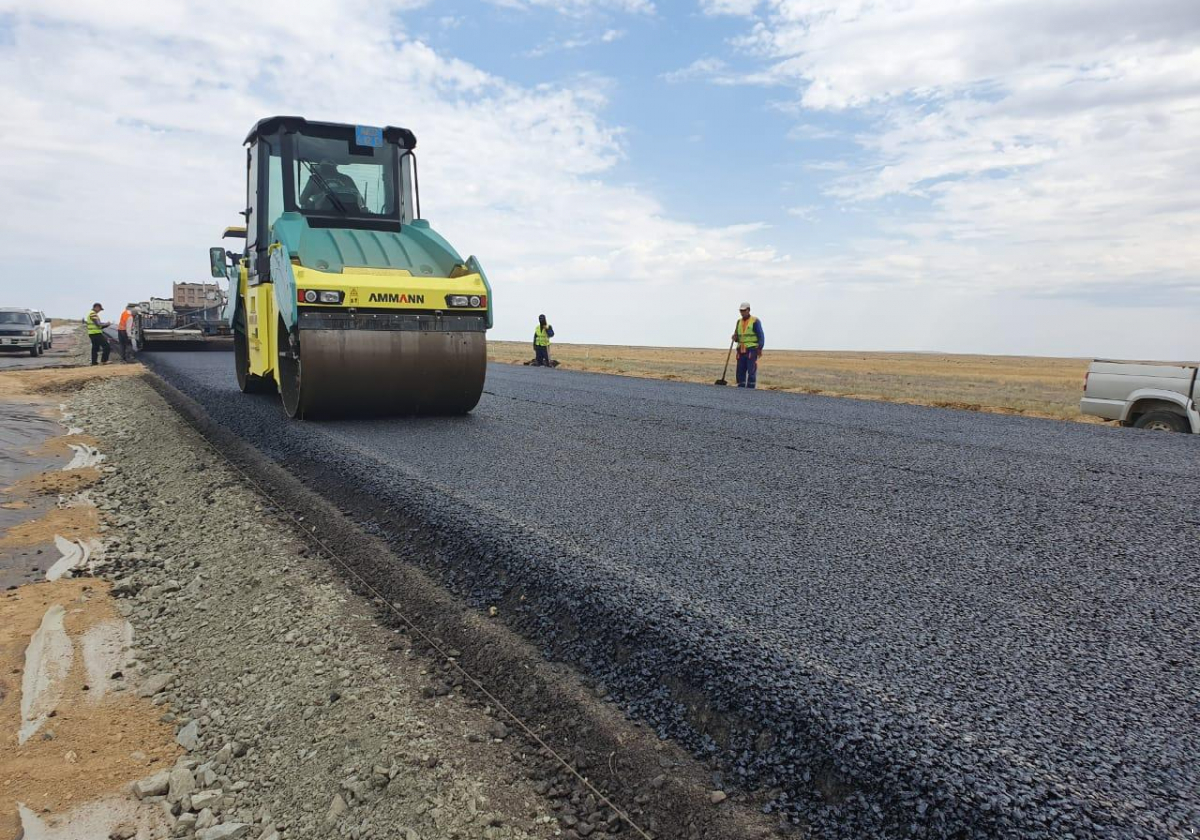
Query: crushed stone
{"x": 276, "y": 676}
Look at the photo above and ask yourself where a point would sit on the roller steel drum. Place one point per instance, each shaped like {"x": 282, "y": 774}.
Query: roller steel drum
{"x": 360, "y": 372}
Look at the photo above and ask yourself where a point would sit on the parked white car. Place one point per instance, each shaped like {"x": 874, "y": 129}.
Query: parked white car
{"x": 1157, "y": 397}
{"x": 45, "y": 332}
{"x": 17, "y": 331}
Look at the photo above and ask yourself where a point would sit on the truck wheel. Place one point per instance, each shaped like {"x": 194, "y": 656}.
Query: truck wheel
{"x": 33, "y": 351}
{"x": 1161, "y": 421}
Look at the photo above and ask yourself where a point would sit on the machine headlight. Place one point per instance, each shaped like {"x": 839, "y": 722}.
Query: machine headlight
{"x": 466, "y": 301}
{"x": 29, "y": 332}
{"x": 318, "y": 296}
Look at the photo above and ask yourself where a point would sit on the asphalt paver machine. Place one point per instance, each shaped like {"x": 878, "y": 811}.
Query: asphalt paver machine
{"x": 347, "y": 301}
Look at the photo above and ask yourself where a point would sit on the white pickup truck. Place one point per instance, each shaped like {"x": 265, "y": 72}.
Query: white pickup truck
{"x": 1145, "y": 396}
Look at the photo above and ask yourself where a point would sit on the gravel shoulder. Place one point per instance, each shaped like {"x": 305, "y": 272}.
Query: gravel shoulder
{"x": 305, "y": 710}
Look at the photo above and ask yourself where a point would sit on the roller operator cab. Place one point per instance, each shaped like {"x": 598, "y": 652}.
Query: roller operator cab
{"x": 348, "y": 302}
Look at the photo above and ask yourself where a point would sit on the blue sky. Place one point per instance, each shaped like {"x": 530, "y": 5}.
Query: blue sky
{"x": 998, "y": 176}
{"x": 714, "y": 154}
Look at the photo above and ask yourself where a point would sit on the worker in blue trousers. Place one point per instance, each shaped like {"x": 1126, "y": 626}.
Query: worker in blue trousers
{"x": 541, "y": 342}
{"x": 748, "y": 333}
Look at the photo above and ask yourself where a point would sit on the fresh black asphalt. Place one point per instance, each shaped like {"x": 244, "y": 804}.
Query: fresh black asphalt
{"x": 908, "y": 622}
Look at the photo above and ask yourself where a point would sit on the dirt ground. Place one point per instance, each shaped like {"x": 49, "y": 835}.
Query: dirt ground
{"x": 55, "y": 483}
{"x": 73, "y": 733}
{"x": 74, "y": 522}
{"x": 35, "y": 385}
{"x": 1027, "y": 385}
{"x": 98, "y": 735}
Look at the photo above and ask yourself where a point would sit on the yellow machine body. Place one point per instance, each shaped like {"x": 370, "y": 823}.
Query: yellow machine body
{"x": 348, "y": 303}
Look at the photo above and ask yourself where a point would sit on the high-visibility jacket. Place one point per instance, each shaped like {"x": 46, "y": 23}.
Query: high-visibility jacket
{"x": 123, "y": 323}
{"x": 541, "y": 335}
{"x": 746, "y": 336}
{"x": 92, "y": 319}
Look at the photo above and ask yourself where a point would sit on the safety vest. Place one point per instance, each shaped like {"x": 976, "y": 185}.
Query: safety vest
{"x": 92, "y": 319}
{"x": 123, "y": 323}
{"x": 747, "y": 337}
{"x": 541, "y": 337}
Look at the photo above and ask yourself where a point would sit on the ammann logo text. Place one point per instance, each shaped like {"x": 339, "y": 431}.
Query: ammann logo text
{"x": 393, "y": 297}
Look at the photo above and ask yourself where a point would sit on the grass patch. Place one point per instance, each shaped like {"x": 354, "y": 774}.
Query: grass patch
{"x": 1028, "y": 385}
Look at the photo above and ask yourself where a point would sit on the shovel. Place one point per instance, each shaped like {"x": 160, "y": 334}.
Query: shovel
{"x": 722, "y": 381}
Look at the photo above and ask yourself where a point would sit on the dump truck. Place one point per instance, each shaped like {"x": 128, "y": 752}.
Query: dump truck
{"x": 347, "y": 302}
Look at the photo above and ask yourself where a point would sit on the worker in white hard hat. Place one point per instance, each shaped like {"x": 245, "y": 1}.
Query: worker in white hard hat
{"x": 748, "y": 333}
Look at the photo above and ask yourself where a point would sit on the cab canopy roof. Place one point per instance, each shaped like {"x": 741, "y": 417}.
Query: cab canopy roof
{"x": 270, "y": 125}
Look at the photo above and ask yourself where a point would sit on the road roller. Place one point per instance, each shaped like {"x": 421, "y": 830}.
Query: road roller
{"x": 348, "y": 303}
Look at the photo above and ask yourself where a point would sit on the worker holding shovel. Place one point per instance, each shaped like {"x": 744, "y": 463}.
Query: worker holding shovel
{"x": 748, "y": 333}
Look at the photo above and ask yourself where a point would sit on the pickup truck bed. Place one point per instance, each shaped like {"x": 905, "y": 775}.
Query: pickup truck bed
{"x": 1149, "y": 396}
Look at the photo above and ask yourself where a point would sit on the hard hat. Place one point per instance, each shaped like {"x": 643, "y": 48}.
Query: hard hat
{"x": 97, "y": 306}
{"x": 744, "y": 305}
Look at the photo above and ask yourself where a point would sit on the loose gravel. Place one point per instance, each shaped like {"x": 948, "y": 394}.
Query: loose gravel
{"x": 904, "y": 622}
{"x": 299, "y": 715}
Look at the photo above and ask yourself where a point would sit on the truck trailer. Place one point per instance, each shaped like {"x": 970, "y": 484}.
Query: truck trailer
{"x": 195, "y": 313}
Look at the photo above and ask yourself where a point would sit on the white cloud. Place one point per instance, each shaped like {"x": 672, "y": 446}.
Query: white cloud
{"x": 608, "y": 36}
{"x": 122, "y": 131}
{"x": 123, "y": 128}
{"x": 805, "y": 212}
{"x": 579, "y": 8}
{"x": 1054, "y": 143}
{"x": 713, "y": 70}
{"x": 739, "y": 8}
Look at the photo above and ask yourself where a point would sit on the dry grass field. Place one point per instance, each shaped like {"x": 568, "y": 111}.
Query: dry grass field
{"x": 1033, "y": 386}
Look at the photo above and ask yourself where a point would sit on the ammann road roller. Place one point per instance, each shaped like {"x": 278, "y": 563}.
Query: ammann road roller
{"x": 347, "y": 300}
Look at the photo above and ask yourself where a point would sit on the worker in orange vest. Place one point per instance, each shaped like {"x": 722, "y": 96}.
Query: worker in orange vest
{"x": 123, "y": 325}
